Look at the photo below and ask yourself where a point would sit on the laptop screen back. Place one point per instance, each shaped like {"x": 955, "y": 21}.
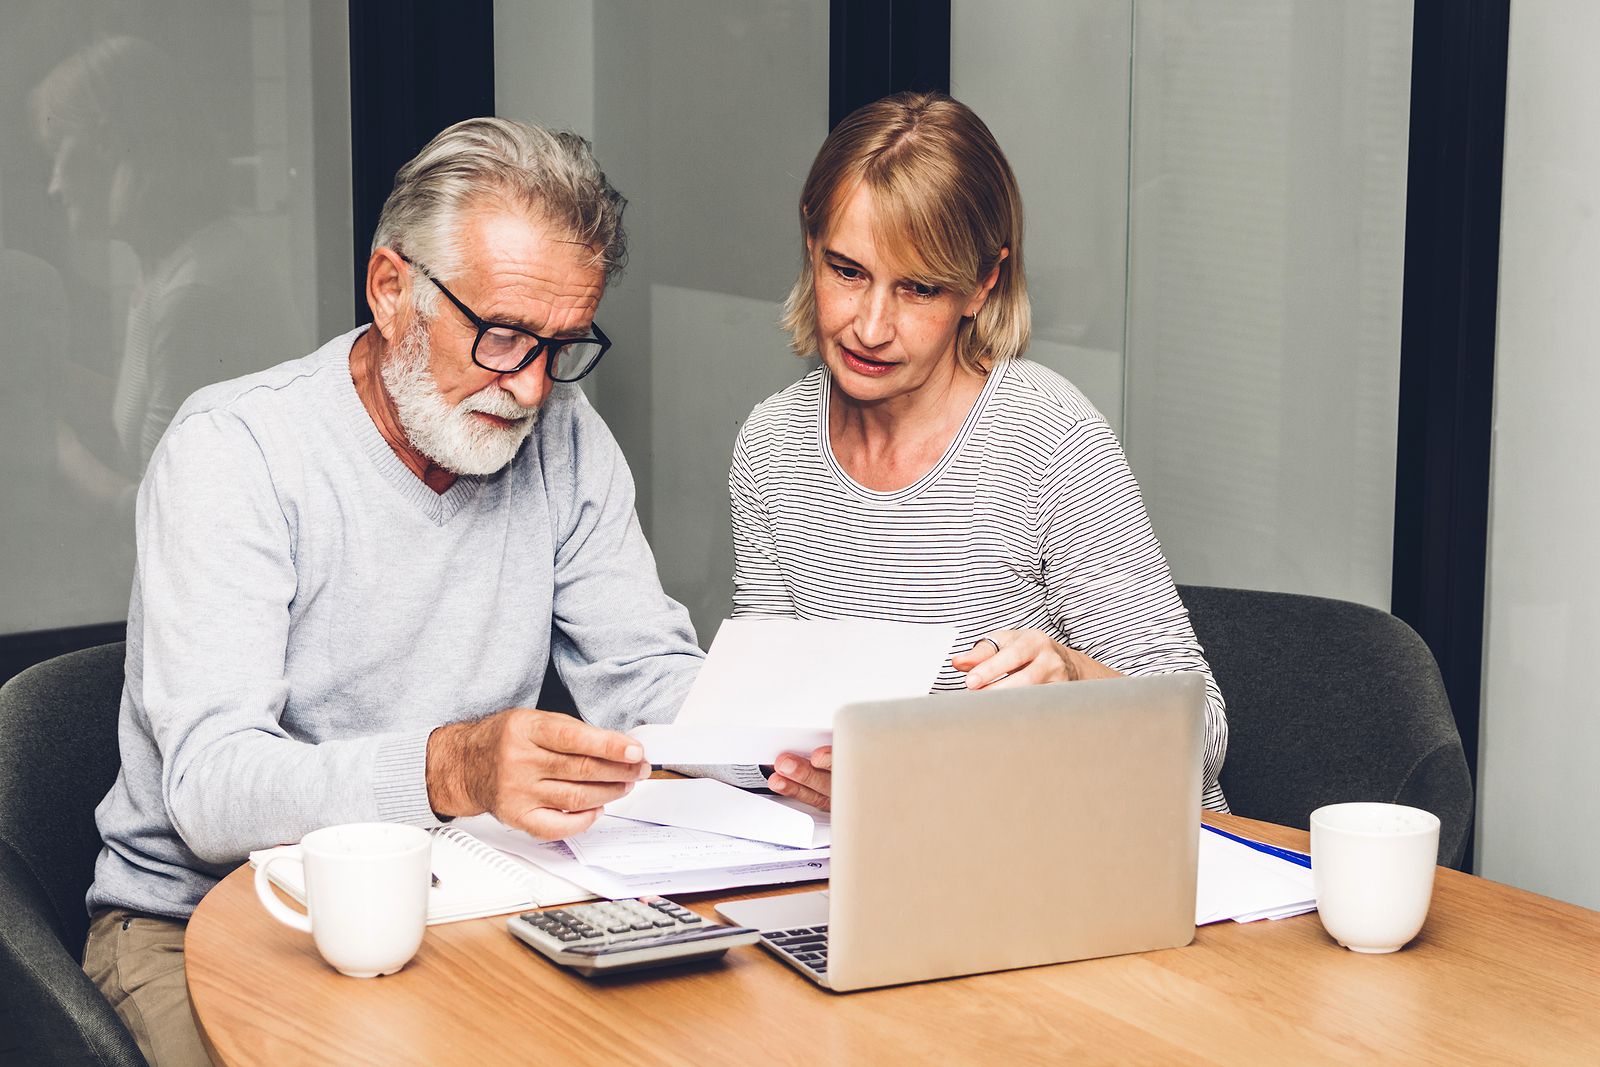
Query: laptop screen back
{"x": 990, "y": 830}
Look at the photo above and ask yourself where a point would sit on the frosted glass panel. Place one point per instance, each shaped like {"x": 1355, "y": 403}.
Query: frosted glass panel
{"x": 174, "y": 210}
{"x": 706, "y": 115}
{"x": 1539, "y": 795}
{"x": 1267, "y": 239}
{"x": 1051, "y": 81}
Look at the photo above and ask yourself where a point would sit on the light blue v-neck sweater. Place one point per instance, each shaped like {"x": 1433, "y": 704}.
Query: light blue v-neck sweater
{"x": 305, "y": 611}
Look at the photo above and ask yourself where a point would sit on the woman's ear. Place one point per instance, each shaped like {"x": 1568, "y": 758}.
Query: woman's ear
{"x": 978, "y": 298}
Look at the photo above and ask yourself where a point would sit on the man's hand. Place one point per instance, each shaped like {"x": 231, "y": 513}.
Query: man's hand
{"x": 1025, "y": 657}
{"x": 807, "y": 780}
{"x": 539, "y": 771}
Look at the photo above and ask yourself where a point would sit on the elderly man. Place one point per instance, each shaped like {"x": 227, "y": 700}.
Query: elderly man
{"x": 353, "y": 567}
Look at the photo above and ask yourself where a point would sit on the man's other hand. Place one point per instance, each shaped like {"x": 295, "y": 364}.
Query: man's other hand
{"x": 539, "y": 771}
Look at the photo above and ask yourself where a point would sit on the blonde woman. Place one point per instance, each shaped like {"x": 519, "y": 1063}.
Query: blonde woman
{"x": 927, "y": 471}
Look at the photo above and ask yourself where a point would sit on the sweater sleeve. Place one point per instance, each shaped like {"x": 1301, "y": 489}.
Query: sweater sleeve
{"x": 216, "y": 576}
{"x": 1108, "y": 586}
{"x": 623, "y": 647}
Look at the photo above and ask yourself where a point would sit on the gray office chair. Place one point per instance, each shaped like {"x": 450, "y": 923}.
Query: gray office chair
{"x": 1330, "y": 701}
{"x": 58, "y": 757}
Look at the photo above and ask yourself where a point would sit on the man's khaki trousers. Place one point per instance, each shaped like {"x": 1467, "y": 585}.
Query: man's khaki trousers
{"x": 137, "y": 962}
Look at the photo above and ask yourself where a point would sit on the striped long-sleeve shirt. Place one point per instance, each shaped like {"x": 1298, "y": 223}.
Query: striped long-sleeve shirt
{"x": 1031, "y": 518}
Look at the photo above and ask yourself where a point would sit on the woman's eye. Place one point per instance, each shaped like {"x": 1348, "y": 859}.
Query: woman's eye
{"x": 849, "y": 274}
{"x": 921, "y": 291}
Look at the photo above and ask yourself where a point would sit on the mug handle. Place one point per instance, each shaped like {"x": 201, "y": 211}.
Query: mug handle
{"x": 269, "y": 899}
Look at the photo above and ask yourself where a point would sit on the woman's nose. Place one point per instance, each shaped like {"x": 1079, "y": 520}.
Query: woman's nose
{"x": 875, "y": 320}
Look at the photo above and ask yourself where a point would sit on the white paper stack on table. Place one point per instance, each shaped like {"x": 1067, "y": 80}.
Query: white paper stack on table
{"x": 1243, "y": 883}
{"x": 701, "y": 835}
{"x": 770, "y": 686}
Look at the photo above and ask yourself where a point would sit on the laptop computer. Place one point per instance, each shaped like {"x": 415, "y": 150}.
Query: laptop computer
{"x": 990, "y": 830}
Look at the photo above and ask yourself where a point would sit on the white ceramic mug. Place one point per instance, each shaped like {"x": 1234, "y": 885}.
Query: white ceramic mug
{"x": 366, "y": 894}
{"x": 1372, "y": 865}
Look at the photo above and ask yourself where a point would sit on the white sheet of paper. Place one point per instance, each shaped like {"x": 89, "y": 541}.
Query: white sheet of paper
{"x": 719, "y": 808}
{"x": 629, "y": 848}
{"x": 708, "y": 745}
{"x": 1237, "y": 882}
{"x": 798, "y": 672}
{"x": 770, "y": 686}
{"x": 556, "y": 858}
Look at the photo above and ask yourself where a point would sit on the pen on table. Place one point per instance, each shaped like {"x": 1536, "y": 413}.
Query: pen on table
{"x": 1299, "y": 858}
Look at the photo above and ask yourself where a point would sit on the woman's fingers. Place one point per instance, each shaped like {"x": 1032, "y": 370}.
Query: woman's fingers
{"x": 985, "y": 648}
{"x": 805, "y": 794}
{"x": 809, "y": 781}
{"x": 1026, "y": 657}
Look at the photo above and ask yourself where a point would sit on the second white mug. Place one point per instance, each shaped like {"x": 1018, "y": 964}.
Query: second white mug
{"x": 1372, "y": 865}
{"x": 366, "y": 894}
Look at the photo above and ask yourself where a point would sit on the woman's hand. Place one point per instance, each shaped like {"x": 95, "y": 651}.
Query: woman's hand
{"x": 807, "y": 780}
{"x": 1005, "y": 658}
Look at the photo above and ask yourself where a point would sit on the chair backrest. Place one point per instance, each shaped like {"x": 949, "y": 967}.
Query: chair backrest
{"x": 1330, "y": 701}
{"x": 58, "y": 757}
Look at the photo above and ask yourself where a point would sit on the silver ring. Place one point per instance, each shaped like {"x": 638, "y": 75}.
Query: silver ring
{"x": 991, "y": 640}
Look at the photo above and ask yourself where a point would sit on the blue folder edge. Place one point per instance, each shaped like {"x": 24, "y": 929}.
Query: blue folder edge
{"x": 1261, "y": 846}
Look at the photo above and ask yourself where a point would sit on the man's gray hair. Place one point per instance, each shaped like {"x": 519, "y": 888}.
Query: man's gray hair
{"x": 550, "y": 175}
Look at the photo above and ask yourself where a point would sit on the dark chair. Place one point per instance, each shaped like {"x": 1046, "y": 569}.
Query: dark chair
{"x": 1330, "y": 701}
{"x": 58, "y": 757}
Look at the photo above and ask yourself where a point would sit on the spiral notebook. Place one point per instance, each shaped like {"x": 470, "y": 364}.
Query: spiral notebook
{"x": 473, "y": 879}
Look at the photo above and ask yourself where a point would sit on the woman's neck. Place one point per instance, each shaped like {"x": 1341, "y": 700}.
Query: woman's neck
{"x": 889, "y": 444}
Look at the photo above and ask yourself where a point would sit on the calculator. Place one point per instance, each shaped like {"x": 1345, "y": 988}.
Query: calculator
{"x": 623, "y": 935}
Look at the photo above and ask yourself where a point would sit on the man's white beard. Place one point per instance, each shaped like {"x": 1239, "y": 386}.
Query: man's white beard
{"x": 452, "y": 437}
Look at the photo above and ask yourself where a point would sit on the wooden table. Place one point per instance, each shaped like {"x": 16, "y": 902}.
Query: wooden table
{"x": 1498, "y": 975}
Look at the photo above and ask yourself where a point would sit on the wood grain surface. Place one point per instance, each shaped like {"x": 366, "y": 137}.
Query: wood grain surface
{"x": 1498, "y": 975}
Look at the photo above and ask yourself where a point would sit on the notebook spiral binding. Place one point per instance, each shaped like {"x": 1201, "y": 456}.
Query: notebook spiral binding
{"x": 489, "y": 855}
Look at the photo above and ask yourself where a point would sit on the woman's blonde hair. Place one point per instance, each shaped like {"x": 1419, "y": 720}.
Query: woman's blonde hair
{"x": 948, "y": 210}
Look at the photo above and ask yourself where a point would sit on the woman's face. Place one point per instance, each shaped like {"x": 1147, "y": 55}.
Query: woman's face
{"x": 881, "y": 333}
{"x": 82, "y": 177}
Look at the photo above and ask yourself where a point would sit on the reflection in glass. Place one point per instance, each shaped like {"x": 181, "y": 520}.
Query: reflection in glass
{"x": 155, "y": 178}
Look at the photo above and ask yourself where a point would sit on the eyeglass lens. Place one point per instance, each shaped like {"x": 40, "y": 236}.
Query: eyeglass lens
{"x": 503, "y": 350}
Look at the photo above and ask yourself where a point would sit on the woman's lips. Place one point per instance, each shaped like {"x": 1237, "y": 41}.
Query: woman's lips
{"x": 873, "y": 368}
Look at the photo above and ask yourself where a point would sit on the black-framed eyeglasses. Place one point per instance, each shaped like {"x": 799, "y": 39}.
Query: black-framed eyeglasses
{"x": 506, "y": 349}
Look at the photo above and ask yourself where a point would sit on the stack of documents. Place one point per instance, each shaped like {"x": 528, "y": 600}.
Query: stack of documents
{"x": 1246, "y": 880}
{"x": 768, "y": 686}
{"x": 678, "y": 836}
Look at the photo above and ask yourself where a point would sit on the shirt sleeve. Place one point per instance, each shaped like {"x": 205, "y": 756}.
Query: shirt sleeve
{"x": 758, "y": 585}
{"x": 1108, "y": 587}
{"x": 215, "y": 577}
{"x": 623, "y": 647}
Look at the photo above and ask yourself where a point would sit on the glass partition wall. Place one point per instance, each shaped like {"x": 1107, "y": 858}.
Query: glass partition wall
{"x": 1216, "y": 225}
{"x": 705, "y": 114}
{"x": 166, "y": 176}
{"x": 1215, "y": 221}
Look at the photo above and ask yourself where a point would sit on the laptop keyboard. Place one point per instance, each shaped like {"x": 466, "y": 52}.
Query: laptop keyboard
{"x": 806, "y": 945}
